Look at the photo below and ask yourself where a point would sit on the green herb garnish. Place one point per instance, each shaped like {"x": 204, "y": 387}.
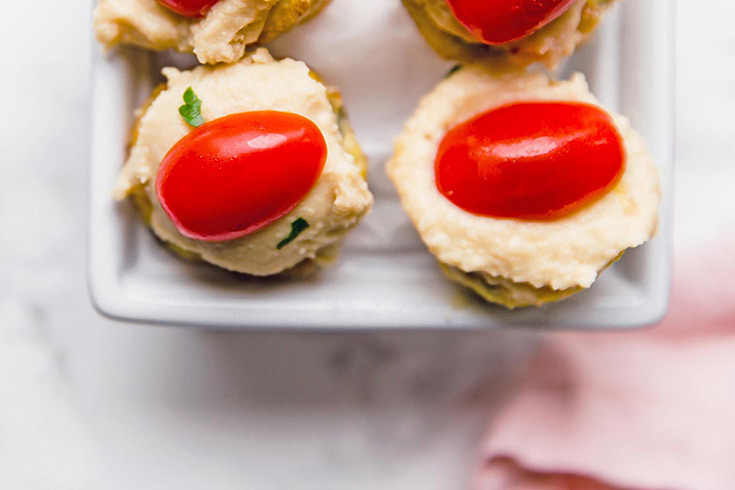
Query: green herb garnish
{"x": 297, "y": 227}
{"x": 454, "y": 70}
{"x": 191, "y": 111}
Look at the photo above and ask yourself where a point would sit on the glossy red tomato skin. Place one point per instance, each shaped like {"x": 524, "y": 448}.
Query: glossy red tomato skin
{"x": 189, "y": 8}
{"x": 237, "y": 174}
{"x": 502, "y": 21}
{"x": 534, "y": 161}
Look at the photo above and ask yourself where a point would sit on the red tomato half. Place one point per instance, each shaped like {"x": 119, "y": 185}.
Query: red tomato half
{"x": 234, "y": 175}
{"x": 189, "y": 8}
{"x": 531, "y": 161}
{"x": 503, "y": 21}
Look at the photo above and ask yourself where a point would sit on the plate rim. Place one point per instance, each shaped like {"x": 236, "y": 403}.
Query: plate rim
{"x": 109, "y": 298}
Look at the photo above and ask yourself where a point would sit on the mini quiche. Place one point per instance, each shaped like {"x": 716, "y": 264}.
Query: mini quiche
{"x": 523, "y": 187}
{"x": 217, "y": 31}
{"x": 252, "y": 166}
{"x": 515, "y": 32}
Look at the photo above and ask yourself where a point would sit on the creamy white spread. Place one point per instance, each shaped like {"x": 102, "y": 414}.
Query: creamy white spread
{"x": 335, "y": 204}
{"x": 561, "y": 254}
{"x": 221, "y": 36}
{"x": 549, "y": 45}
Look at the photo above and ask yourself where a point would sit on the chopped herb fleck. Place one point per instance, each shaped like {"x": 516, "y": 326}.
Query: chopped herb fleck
{"x": 191, "y": 111}
{"x": 297, "y": 227}
{"x": 454, "y": 70}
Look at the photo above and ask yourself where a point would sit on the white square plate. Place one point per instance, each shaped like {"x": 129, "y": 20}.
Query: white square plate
{"x": 385, "y": 278}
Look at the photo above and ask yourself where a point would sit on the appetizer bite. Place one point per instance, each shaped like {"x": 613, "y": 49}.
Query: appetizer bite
{"x": 252, "y": 167}
{"x": 524, "y": 188}
{"x": 507, "y": 31}
{"x": 215, "y": 30}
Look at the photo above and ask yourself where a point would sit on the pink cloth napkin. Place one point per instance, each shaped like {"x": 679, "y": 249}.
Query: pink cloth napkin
{"x": 651, "y": 410}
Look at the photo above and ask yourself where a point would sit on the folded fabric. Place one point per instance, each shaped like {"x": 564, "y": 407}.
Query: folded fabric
{"x": 653, "y": 409}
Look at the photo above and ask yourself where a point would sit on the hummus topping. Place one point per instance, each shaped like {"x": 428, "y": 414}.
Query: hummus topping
{"x": 220, "y": 37}
{"x": 562, "y": 254}
{"x": 334, "y": 205}
{"x": 549, "y": 45}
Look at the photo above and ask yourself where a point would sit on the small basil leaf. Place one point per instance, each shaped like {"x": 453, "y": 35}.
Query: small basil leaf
{"x": 191, "y": 111}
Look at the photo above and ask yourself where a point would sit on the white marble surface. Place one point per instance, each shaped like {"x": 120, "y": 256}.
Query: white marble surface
{"x": 171, "y": 408}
